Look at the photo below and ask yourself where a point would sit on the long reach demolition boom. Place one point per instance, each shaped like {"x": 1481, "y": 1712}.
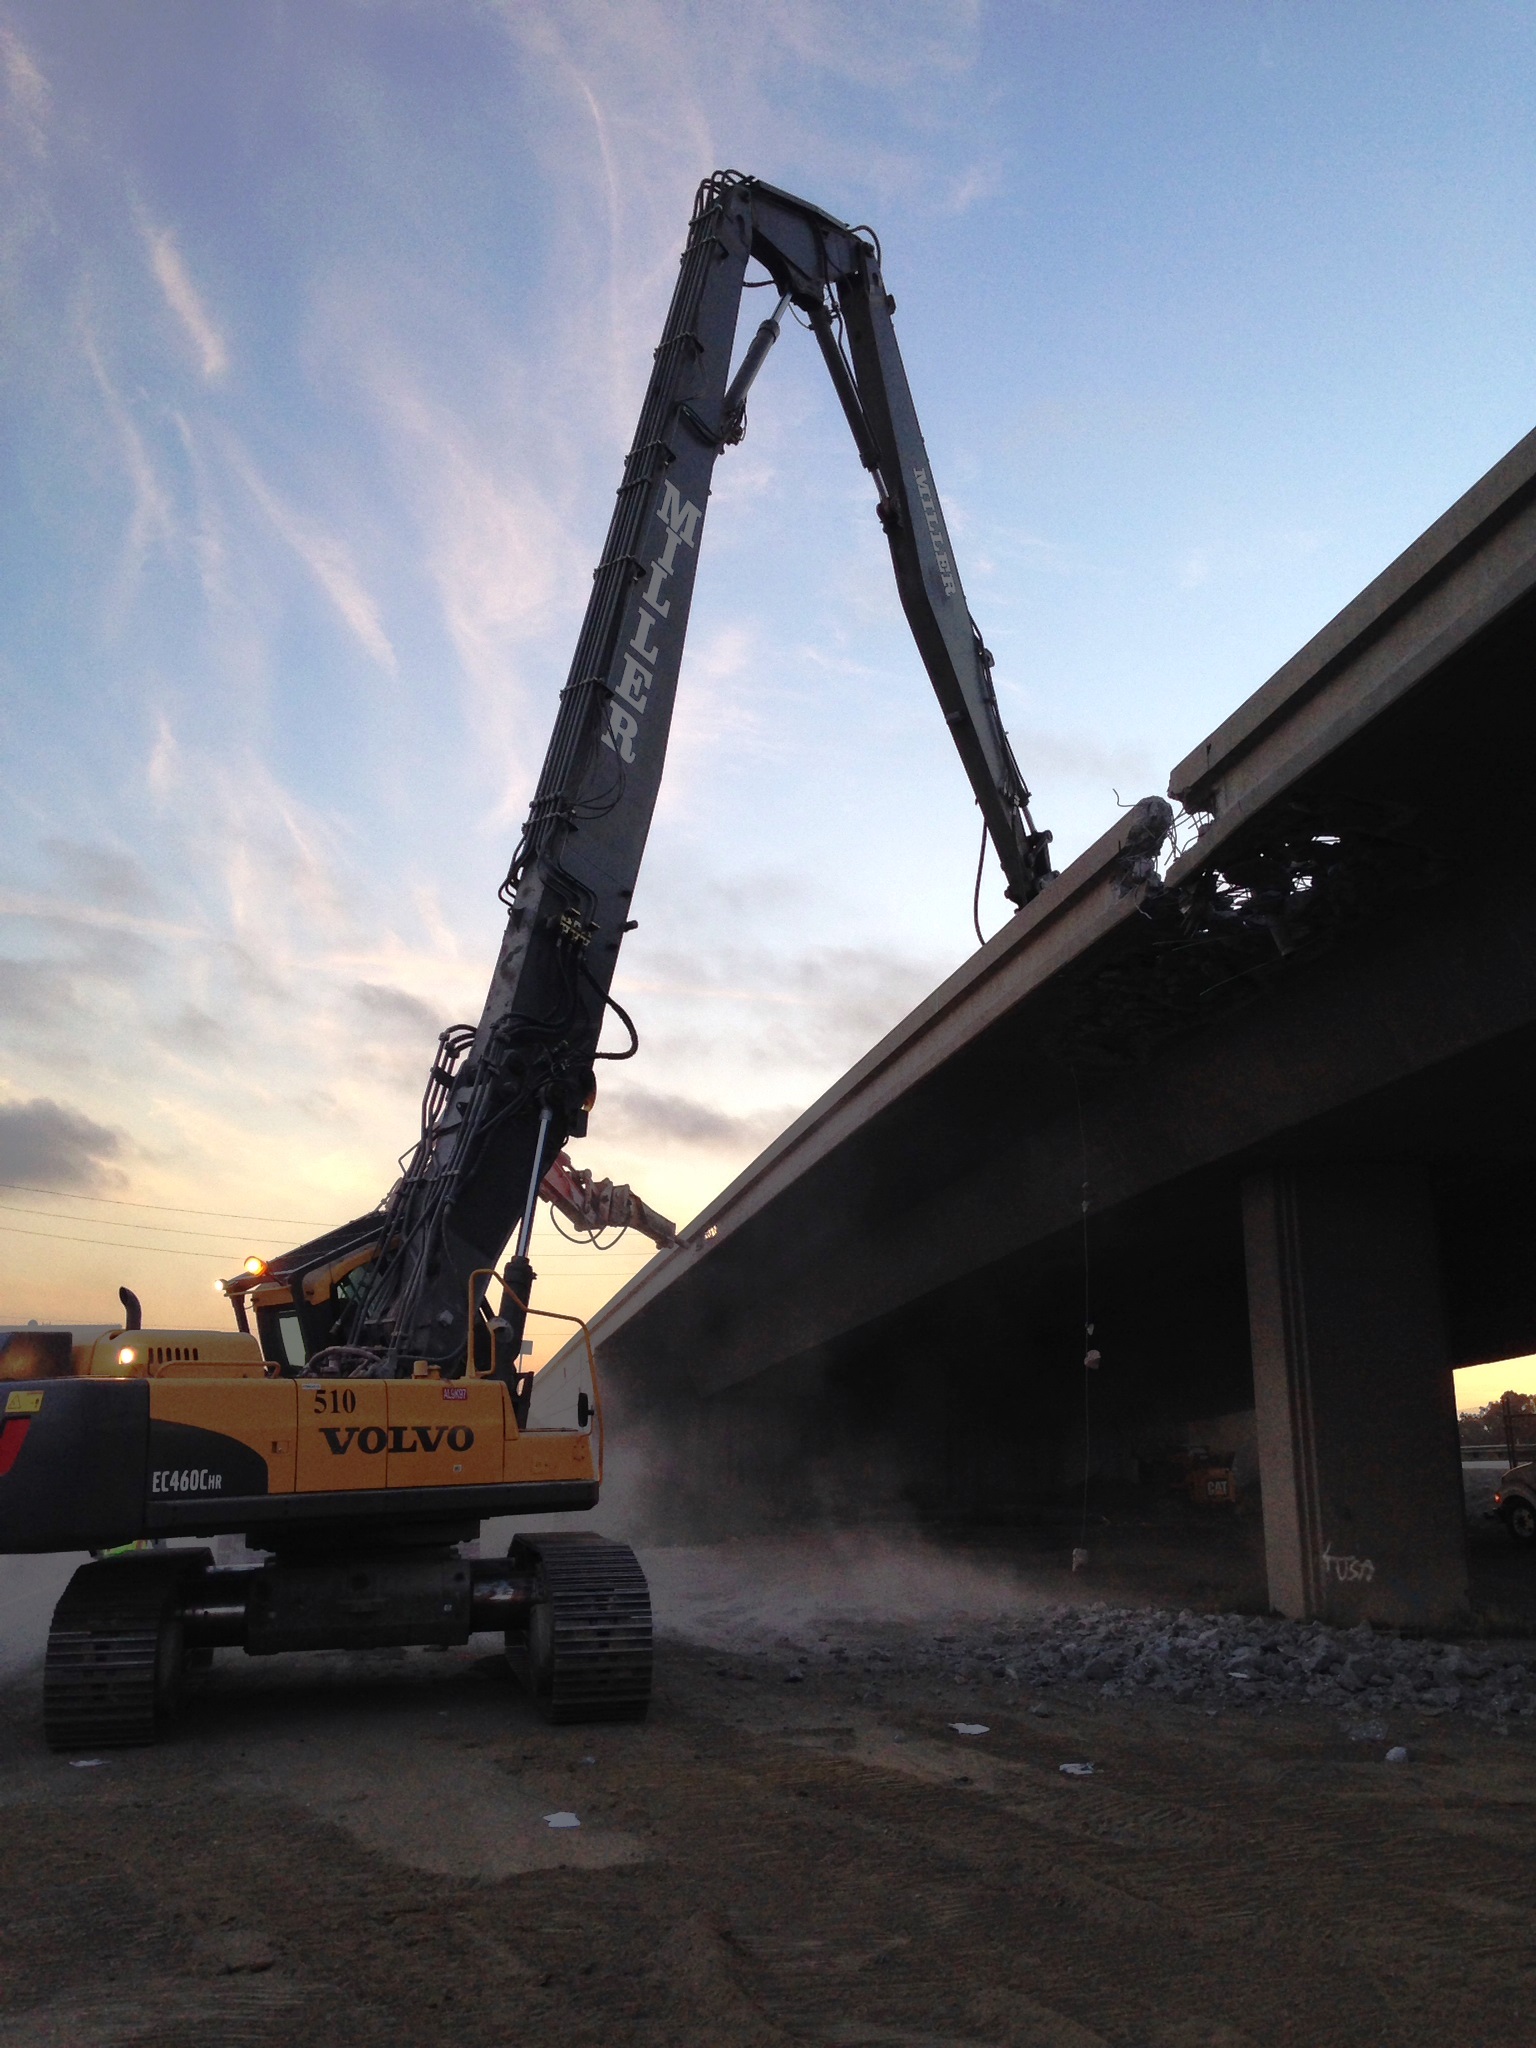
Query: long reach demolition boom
{"x": 504, "y": 1098}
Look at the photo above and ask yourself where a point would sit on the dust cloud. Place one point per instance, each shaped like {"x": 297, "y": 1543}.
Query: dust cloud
{"x": 756, "y": 1595}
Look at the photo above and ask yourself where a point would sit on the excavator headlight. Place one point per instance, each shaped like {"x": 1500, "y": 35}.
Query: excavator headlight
{"x": 255, "y": 1267}
{"x": 127, "y": 1355}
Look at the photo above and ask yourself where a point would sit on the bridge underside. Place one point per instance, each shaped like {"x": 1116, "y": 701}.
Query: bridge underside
{"x": 1298, "y": 1084}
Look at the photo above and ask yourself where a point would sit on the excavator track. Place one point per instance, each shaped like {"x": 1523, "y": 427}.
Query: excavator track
{"x": 587, "y": 1655}
{"x": 115, "y": 1659}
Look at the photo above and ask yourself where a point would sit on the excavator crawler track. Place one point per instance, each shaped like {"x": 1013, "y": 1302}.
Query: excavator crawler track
{"x": 115, "y": 1659}
{"x": 587, "y": 1654}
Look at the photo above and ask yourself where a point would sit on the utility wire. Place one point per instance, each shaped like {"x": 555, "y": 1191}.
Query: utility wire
{"x": 213, "y": 1255}
{"x": 174, "y": 1251}
{"x": 17, "y": 1187}
{"x": 61, "y": 1216}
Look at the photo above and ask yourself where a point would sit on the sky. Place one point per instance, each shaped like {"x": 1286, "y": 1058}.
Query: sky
{"x": 323, "y": 330}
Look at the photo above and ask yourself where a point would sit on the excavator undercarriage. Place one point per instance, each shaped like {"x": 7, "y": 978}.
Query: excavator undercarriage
{"x": 572, "y": 1609}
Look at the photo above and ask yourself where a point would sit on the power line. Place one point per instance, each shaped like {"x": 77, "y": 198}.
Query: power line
{"x": 112, "y": 1244}
{"x": 59, "y": 1216}
{"x": 213, "y": 1255}
{"x": 166, "y": 1208}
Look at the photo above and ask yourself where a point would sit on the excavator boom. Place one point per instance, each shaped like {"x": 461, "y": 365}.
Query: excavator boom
{"x": 509, "y": 1096}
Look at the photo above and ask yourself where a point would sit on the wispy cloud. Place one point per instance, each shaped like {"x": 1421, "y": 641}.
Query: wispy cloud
{"x": 916, "y": 45}
{"x": 397, "y": 1010}
{"x": 498, "y": 544}
{"x": 62, "y": 910}
{"x": 26, "y": 93}
{"x": 181, "y": 295}
{"x": 645, "y": 1113}
{"x": 977, "y": 182}
{"x": 103, "y": 875}
{"x": 328, "y": 560}
{"x": 35, "y": 994}
{"x": 809, "y": 1009}
{"x": 150, "y": 521}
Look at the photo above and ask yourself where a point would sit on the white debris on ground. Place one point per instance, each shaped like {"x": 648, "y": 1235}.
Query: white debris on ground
{"x": 1213, "y": 1660}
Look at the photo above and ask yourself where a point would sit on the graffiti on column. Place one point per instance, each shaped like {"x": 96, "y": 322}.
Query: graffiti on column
{"x": 1345, "y": 1569}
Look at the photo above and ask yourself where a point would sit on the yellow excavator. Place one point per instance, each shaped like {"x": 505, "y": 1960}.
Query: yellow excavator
{"x": 377, "y": 1413}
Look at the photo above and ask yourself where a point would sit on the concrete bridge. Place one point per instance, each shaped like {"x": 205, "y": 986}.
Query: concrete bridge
{"x": 1266, "y": 1120}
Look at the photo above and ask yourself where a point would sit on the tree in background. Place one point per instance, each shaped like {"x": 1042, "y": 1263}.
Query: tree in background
{"x": 1486, "y": 1425}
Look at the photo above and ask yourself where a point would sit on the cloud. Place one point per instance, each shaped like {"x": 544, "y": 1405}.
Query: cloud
{"x": 151, "y": 519}
{"x": 102, "y": 875}
{"x": 498, "y": 545}
{"x": 979, "y": 181}
{"x": 802, "y": 1016}
{"x": 34, "y": 992}
{"x": 643, "y": 1113}
{"x": 45, "y": 1144}
{"x": 26, "y": 92}
{"x": 1063, "y": 756}
{"x": 855, "y": 994}
{"x": 165, "y": 259}
{"x": 399, "y": 1012}
{"x": 195, "y": 1033}
{"x": 915, "y": 44}
{"x": 327, "y": 559}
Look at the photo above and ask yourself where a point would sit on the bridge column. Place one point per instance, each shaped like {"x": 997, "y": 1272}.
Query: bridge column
{"x": 1356, "y": 1412}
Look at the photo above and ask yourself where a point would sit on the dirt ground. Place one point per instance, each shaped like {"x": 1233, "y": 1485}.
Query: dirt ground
{"x": 355, "y": 1850}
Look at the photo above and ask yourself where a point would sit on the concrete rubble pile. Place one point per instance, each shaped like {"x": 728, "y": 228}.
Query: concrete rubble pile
{"x": 1213, "y": 1660}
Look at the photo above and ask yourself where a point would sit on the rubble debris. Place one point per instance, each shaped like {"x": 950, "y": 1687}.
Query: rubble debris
{"x": 1294, "y": 882}
{"x": 1215, "y": 1661}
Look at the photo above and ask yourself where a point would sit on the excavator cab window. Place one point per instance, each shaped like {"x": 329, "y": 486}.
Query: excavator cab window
{"x": 291, "y": 1337}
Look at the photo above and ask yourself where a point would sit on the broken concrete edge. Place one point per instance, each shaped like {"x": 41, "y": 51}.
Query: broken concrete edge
{"x": 1388, "y": 672}
{"x": 1089, "y": 900}
{"x": 1439, "y": 556}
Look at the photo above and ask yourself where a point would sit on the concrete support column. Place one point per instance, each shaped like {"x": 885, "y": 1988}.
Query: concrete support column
{"x": 1356, "y": 1410}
